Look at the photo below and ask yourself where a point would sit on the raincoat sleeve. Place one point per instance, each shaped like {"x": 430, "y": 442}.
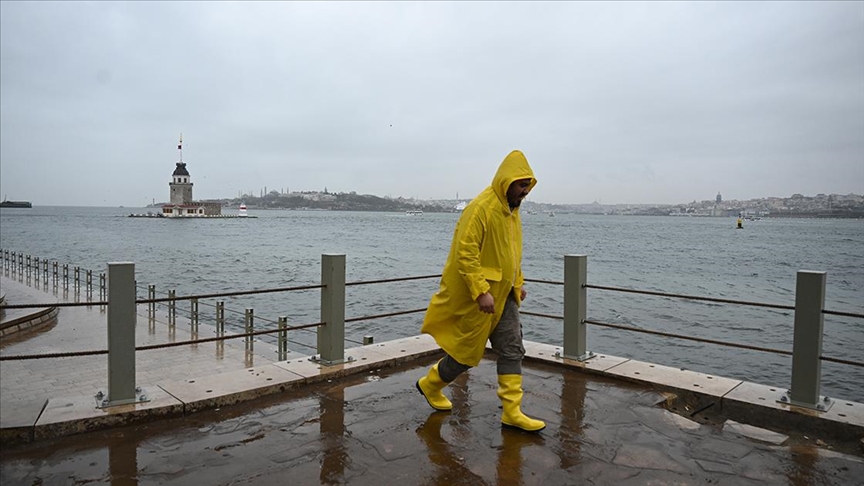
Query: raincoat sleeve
{"x": 517, "y": 286}
{"x": 470, "y": 238}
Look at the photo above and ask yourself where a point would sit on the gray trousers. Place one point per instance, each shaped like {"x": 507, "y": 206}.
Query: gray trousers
{"x": 506, "y": 341}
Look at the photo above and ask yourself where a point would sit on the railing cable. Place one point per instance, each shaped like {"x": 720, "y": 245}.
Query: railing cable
{"x": 388, "y": 280}
{"x": 690, "y": 297}
{"x": 156, "y": 346}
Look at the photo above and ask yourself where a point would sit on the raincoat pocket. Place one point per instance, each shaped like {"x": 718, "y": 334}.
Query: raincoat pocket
{"x": 492, "y": 274}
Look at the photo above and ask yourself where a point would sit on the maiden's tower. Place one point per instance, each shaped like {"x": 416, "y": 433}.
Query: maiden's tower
{"x": 182, "y": 205}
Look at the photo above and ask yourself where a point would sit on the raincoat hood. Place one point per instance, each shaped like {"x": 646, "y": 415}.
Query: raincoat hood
{"x": 513, "y": 167}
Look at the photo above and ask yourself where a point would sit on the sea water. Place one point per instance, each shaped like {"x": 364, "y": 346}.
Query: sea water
{"x": 692, "y": 256}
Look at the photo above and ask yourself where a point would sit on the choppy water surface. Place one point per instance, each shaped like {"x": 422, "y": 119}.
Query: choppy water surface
{"x": 693, "y": 256}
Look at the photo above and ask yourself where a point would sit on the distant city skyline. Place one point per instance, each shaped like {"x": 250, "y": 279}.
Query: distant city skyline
{"x": 618, "y": 102}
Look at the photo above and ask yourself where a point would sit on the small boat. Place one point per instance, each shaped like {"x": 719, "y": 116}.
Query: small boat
{"x": 460, "y": 207}
{"x": 242, "y": 213}
{"x": 414, "y": 212}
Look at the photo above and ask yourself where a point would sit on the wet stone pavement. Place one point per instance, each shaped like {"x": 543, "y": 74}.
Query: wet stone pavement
{"x": 375, "y": 429}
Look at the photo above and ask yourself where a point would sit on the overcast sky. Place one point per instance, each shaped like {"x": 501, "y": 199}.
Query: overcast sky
{"x": 620, "y": 102}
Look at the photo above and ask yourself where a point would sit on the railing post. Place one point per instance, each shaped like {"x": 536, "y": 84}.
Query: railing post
{"x": 102, "y": 290}
{"x": 172, "y": 308}
{"x": 575, "y": 303}
{"x": 250, "y": 326}
{"x": 807, "y": 342}
{"x": 77, "y": 278}
{"x": 283, "y": 338}
{"x": 37, "y": 269}
{"x": 220, "y": 318}
{"x": 65, "y": 275}
{"x": 121, "y": 337}
{"x": 193, "y": 311}
{"x": 151, "y": 307}
{"x": 331, "y": 336}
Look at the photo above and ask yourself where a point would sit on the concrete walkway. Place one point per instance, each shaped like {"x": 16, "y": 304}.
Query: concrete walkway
{"x": 375, "y": 429}
{"x": 233, "y": 417}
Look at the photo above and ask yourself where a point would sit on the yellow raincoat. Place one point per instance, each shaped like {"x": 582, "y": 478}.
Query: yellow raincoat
{"x": 485, "y": 256}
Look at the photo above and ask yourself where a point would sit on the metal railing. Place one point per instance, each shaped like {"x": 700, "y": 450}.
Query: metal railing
{"x": 806, "y": 353}
{"x": 809, "y": 310}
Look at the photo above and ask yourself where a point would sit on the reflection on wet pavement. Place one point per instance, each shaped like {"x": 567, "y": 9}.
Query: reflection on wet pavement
{"x": 375, "y": 429}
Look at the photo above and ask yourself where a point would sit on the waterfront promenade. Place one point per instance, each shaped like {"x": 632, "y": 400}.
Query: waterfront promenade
{"x": 233, "y": 417}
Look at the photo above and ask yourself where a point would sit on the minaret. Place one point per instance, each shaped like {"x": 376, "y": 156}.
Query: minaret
{"x": 181, "y": 185}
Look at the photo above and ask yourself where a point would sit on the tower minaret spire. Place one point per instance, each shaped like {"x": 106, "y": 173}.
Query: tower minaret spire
{"x": 180, "y": 147}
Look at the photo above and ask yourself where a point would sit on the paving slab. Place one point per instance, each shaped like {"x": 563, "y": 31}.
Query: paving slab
{"x": 74, "y": 415}
{"x": 678, "y": 379}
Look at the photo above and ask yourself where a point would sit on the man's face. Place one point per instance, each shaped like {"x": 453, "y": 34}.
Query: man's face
{"x": 517, "y": 192}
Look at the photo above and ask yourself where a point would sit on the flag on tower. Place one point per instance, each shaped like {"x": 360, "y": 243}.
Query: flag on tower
{"x": 180, "y": 145}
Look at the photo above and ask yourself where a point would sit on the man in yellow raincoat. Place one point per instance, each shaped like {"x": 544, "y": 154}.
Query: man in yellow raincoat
{"x": 480, "y": 293}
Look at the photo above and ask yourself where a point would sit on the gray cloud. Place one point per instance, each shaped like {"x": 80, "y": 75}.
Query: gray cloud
{"x": 619, "y": 102}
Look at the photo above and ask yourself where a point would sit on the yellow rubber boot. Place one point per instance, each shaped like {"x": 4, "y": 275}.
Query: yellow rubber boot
{"x": 510, "y": 393}
{"x": 430, "y": 387}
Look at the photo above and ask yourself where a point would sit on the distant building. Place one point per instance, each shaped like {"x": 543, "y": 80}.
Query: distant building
{"x": 719, "y": 198}
{"x": 182, "y": 205}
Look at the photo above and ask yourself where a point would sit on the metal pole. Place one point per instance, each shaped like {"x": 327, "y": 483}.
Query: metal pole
{"x": 283, "y": 338}
{"x": 121, "y": 335}
{"x": 65, "y": 275}
{"x": 151, "y": 307}
{"x": 331, "y": 336}
{"x": 194, "y": 314}
{"x": 250, "y": 318}
{"x": 172, "y": 308}
{"x": 90, "y": 283}
{"x": 29, "y": 266}
{"x": 77, "y": 277}
{"x": 575, "y": 308}
{"x": 807, "y": 342}
{"x": 36, "y": 270}
{"x": 220, "y": 318}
